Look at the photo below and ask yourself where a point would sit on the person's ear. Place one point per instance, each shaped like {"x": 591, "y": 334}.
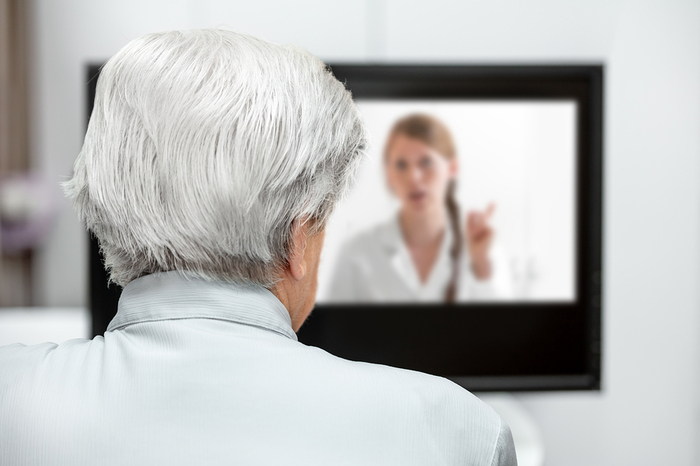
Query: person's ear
{"x": 297, "y": 263}
{"x": 453, "y": 168}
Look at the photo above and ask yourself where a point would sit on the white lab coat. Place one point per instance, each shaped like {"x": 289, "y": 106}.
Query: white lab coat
{"x": 376, "y": 266}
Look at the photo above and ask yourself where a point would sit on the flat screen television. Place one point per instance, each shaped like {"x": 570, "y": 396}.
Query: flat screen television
{"x": 528, "y": 146}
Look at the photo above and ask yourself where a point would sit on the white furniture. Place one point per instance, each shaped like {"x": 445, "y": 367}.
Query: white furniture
{"x": 32, "y": 325}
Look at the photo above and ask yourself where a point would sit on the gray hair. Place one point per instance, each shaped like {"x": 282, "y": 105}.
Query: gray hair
{"x": 203, "y": 148}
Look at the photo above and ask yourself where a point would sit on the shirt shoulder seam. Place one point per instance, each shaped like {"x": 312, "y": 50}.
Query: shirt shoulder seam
{"x": 496, "y": 442}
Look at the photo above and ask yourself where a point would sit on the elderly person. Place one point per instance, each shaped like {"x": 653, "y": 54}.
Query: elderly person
{"x": 210, "y": 166}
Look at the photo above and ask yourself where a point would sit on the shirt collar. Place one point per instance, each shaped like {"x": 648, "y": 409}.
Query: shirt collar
{"x": 177, "y": 295}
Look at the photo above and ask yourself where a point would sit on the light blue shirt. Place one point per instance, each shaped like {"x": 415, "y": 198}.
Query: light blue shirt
{"x": 199, "y": 372}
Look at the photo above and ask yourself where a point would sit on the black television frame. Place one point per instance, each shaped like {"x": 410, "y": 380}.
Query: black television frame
{"x": 481, "y": 346}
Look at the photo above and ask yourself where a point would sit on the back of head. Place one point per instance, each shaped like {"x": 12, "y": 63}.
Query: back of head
{"x": 203, "y": 148}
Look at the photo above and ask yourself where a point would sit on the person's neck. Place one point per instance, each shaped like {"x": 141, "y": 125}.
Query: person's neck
{"x": 423, "y": 229}
{"x": 288, "y": 294}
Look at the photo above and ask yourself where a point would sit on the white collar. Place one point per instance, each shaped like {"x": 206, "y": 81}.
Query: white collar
{"x": 176, "y": 295}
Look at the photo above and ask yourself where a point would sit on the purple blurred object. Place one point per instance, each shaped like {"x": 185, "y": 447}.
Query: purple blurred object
{"x": 28, "y": 207}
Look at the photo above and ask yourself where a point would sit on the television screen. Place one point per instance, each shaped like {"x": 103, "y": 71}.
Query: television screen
{"x": 470, "y": 245}
{"x": 514, "y": 170}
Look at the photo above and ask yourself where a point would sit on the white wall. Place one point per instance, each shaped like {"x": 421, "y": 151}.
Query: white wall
{"x": 648, "y": 410}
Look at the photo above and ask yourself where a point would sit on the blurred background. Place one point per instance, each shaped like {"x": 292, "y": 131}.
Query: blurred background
{"x": 647, "y": 411}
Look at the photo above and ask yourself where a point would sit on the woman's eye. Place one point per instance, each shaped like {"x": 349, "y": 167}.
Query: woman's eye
{"x": 426, "y": 162}
{"x": 401, "y": 165}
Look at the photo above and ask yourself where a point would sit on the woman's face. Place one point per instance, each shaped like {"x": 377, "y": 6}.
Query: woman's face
{"x": 417, "y": 174}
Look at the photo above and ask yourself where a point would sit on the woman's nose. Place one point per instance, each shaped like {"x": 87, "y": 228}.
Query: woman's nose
{"x": 416, "y": 174}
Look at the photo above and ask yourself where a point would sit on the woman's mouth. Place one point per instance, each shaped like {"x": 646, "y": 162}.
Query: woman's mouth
{"x": 417, "y": 196}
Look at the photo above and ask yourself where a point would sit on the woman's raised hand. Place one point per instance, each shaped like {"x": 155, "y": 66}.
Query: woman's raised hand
{"x": 479, "y": 238}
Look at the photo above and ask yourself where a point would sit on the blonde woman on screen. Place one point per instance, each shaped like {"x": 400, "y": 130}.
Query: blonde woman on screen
{"x": 428, "y": 251}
